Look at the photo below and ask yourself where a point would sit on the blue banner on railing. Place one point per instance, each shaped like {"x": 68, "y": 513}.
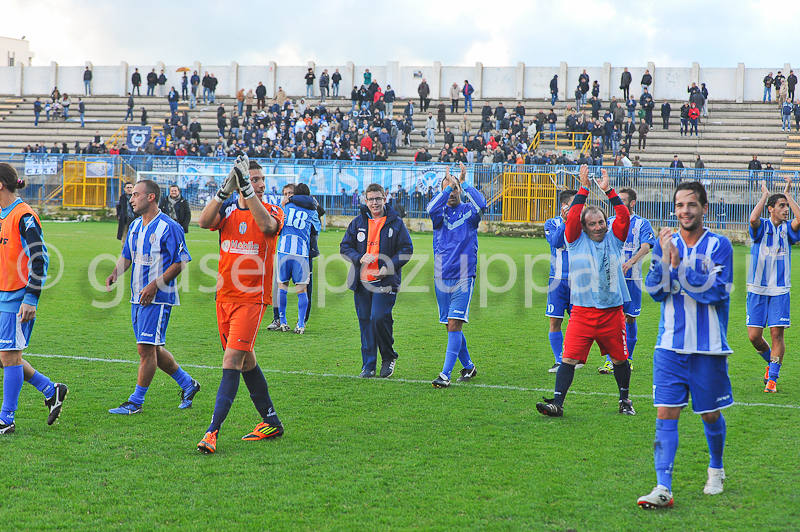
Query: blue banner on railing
{"x": 138, "y": 137}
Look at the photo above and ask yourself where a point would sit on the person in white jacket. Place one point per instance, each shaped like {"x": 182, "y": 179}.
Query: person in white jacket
{"x": 430, "y": 129}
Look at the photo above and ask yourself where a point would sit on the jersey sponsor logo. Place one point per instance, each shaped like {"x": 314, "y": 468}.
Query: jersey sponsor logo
{"x": 143, "y": 258}
{"x": 242, "y": 228}
{"x": 239, "y": 247}
{"x": 458, "y": 222}
{"x": 361, "y": 236}
{"x": 153, "y": 238}
{"x": 723, "y": 398}
{"x": 30, "y": 222}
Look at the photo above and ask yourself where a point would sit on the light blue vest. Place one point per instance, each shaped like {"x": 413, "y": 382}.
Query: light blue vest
{"x": 595, "y": 272}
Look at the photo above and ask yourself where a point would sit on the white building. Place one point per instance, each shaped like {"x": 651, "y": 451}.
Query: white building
{"x": 13, "y": 51}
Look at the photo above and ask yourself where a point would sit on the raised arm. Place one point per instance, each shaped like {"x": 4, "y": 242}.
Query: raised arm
{"x": 755, "y": 215}
{"x": 787, "y": 191}
{"x": 622, "y": 221}
{"x": 573, "y": 226}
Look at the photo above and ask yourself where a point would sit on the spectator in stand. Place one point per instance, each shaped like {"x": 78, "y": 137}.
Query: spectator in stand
{"x": 630, "y": 105}
{"x": 65, "y": 103}
{"x": 130, "y": 108}
{"x": 596, "y": 89}
{"x": 206, "y": 87}
{"x": 791, "y": 83}
{"x": 185, "y": 87}
{"x": 685, "y": 118}
{"x": 647, "y": 80}
{"x": 554, "y": 90}
{"x": 422, "y": 156}
{"x": 240, "y": 102}
{"x": 389, "y": 98}
{"x": 698, "y": 162}
{"x": 644, "y": 129}
{"x": 465, "y": 126}
{"x": 249, "y": 101}
{"x": 367, "y": 77}
{"x": 552, "y": 118}
{"x": 336, "y": 78}
{"x": 694, "y": 115}
{"x": 261, "y": 96}
{"x": 768, "y": 80}
{"x": 162, "y": 80}
{"x": 783, "y": 93}
{"x": 796, "y": 110}
{"x": 324, "y": 85}
{"x": 625, "y": 83}
{"x": 754, "y": 166}
{"x": 647, "y": 103}
{"x": 136, "y": 82}
{"x": 676, "y": 166}
{"x": 194, "y": 81}
{"x": 442, "y": 116}
{"x": 455, "y": 94}
{"x": 152, "y": 81}
{"x": 55, "y": 95}
{"x": 424, "y": 92}
{"x": 82, "y": 110}
{"x": 173, "y": 98}
{"x": 212, "y": 88}
{"x": 280, "y": 96}
{"x": 37, "y": 110}
{"x": 144, "y": 116}
{"x": 430, "y": 130}
{"x": 310, "y": 77}
{"x": 87, "y": 81}
{"x": 195, "y": 128}
{"x": 786, "y": 115}
{"x": 467, "y": 90}
{"x": 666, "y": 109}
{"x": 778, "y": 82}
{"x": 596, "y": 104}
{"x": 355, "y": 97}
{"x": 583, "y": 84}
{"x": 176, "y": 207}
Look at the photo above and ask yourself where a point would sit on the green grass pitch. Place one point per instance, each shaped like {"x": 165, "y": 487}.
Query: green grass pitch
{"x": 376, "y": 454}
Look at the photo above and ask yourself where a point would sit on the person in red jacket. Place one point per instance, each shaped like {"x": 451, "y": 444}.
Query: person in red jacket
{"x": 694, "y": 115}
{"x": 366, "y": 144}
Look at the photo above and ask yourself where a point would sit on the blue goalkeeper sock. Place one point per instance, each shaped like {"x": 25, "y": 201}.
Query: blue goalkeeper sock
{"x": 556, "y": 344}
{"x": 259, "y": 394}
{"x": 715, "y": 434}
{"x": 137, "y": 397}
{"x": 631, "y": 334}
{"x": 226, "y": 393}
{"x": 463, "y": 354}
{"x": 564, "y": 376}
{"x": 282, "y": 296}
{"x": 454, "y": 342}
{"x": 43, "y": 384}
{"x": 183, "y": 379}
{"x": 766, "y": 355}
{"x": 774, "y": 371}
{"x": 13, "y": 377}
{"x": 664, "y": 450}
{"x": 608, "y": 359}
{"x": 302, "y": 307}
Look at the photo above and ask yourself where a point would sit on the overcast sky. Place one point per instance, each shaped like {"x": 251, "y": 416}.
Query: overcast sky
{"x": 414, "y": 32}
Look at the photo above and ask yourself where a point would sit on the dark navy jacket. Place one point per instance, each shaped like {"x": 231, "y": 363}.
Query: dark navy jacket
{"x": 395, "y": 243}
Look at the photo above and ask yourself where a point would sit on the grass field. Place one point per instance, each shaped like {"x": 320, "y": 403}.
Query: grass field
{"x": 375, "y": 454}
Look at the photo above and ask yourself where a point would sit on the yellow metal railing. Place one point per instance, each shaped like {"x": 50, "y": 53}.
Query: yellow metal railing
{"x": 118, "y": 134}
{"x": 581, "y": 141}
{"x": 80, "y": 190}
{"x": 529, "y": 197}
{"x": 537, "y": 138}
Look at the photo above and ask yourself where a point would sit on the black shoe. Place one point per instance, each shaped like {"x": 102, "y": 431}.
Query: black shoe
{"x": 55, "y": 402}
{"x": 387, "y": 368}
{"x": 549, "y": 408}
{"x": 367, "y": 374}
{"x": 467, "y": 374}
{"x": 7, "y": 429}
{"x": 441, "y": 381}
{"x": 626, "y": 407}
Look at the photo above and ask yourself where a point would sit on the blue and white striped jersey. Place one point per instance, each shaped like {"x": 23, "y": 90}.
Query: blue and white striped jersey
{"x": 455, "y": 233}
{"x": 296, "y": 232}
{"x": 770, "y": 270}
{"x": 640, "y": 232}
{"x": 153, "y": 248}
{"x": 559, "y": 256}
{"x": 695, "y": 297}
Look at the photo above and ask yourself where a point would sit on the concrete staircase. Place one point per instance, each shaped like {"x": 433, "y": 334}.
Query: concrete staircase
{"x": 729, "y": 137}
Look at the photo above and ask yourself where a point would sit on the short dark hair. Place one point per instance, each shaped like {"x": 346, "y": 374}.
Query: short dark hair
{"x": 630, "y": 192}
{"x": 374, "y": 187}
{"x": 692, "y": 186}
{"x": 302, "y": 189}
{"x": 567, "y": 195}
{"x": 174, "y": 186}
{"x": 774, "y": 199}
{"x": 289, "y": 186}
{"x": 254, "y": 165}
{"x": 151, "y": 187}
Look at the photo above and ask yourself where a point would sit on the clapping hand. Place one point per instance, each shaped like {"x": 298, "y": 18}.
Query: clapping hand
{"x": 787, "y": 189}
{"x": 583, "y": 175}
{"x": 764, "y": 189}
{"x": 605, "y": 182}
{"x": 242, "y": 169}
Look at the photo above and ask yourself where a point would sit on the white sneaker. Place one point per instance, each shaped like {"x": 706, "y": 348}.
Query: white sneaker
{"x": 660, "y": 497}
{"x": 579, "y": 366}
{"x": 554, "y": 368}
{"x": 274, "y": 326}
{"x": 715, "y": 479}
{"x": 299, "y": 330}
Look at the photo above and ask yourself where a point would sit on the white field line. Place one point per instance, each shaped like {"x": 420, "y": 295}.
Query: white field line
{"x": 407, "y": 381}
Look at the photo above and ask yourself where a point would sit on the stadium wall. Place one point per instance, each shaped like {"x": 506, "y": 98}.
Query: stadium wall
{"x": 738, "y": 84}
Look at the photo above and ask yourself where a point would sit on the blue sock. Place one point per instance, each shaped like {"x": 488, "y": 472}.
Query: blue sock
{"x": 564, "y": 376}
{"x": 463, "y": 355}
{"x": 664, "y": 450}
{"x": 631, "y": 334}
{"x": 282, "y": 295}
{"x": 228, "y": 387}
{"x": 43, "y": 384}
{"x": 715, "y": 434}
{"x": 454, "y": 341}
{"x": 556, "y": 344}
{"x": 774, "y": 371}
{"x": 302, "y": 307}
{"x": 766, "y": 355}
{"x": 13, "y": 377}
{"x": 608, "y": 358}
{"x": 183, "y": 379}
{"x": 137, "y": 397}
{"x": 259, "y": 394}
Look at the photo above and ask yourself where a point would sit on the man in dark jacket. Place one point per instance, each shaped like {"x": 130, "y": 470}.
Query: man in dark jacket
{"x": 335, "y": 79}
{"x": 310, "y": 77}
{"x": 136, "y": 81}
{"x": 684, "y": 118}
{"x": 424, "y": 92}
{"x": 646, "y": 101}
{"x": 791, "y": 82}
{"x": 754, "y": 166}
{"x": 768, "y": 87}
{"x": 377, "y": 244}
{"x": 554, "y": 90}
{"x": 625, "y": 83}
{"x": 176, "y": 207}
{"x": 162, "y": 80}
{"x": 666, "y": 109}
{"x": 152, "y": 81}
{"x": 125, "y": 214}
{"x": 647, "y": 80}
{"x": 583, "y": 85}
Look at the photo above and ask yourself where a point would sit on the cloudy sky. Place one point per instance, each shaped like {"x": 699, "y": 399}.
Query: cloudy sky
{"x": 414, "y": 32}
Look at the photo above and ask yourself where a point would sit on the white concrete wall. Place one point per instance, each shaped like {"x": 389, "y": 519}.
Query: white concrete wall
{"x": 495, "y": 83}
{"x": 21, "y": 50}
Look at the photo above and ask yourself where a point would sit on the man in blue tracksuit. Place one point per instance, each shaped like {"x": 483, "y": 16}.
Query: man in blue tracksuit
{"x": 455, "y": 252}
{"x": 378, "y": 245}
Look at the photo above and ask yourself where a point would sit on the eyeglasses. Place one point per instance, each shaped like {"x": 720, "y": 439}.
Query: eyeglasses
{"x": 374, "y": 200}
